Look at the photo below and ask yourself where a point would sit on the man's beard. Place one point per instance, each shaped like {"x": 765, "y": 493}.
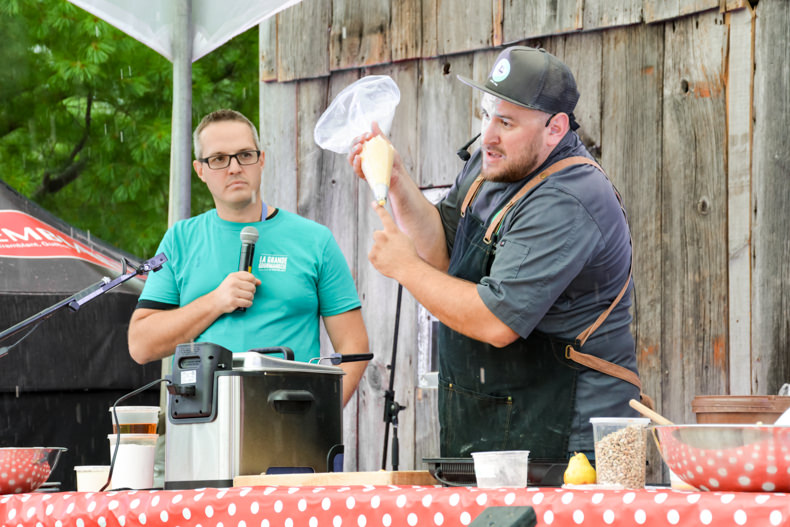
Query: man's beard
{"x": 515, "y": 170}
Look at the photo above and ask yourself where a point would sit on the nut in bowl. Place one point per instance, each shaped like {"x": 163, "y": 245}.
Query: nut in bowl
{"x": 728, "y": 457}
{"x": 26, "y": 469}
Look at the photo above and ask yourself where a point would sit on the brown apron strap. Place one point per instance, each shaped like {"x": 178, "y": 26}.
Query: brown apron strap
{"x": 531, "y": 184}
{"x": 584, "y": 335}
{"x": 603, "y": 366}
{"x": 471, "y": 193}
{"x": 609, "y": 368}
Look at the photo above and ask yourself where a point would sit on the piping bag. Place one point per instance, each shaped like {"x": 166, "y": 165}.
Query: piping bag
{"x": 377, "y": 155}
{"x": 351, "y": 113}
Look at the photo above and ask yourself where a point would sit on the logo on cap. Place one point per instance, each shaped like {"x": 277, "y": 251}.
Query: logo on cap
{"x": 500, "y": 71}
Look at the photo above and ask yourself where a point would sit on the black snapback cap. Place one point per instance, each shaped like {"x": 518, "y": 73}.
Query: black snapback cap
{"x": 532, "y": 78}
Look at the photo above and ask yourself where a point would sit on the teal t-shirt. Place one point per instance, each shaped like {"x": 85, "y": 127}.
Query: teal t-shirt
{"x": 303, "y": 276}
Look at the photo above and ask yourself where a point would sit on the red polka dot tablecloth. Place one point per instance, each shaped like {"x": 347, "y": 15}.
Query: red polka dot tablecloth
{"x": 365, "y": 506}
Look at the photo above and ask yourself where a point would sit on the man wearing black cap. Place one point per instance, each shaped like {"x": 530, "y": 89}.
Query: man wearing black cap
{"x": 527, "y": 264}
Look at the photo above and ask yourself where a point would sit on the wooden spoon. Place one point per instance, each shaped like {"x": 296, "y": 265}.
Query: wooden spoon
{"x": 647, "y": 412}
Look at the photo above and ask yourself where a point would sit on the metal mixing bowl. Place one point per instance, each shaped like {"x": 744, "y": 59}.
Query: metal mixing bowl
{"x": 26, "y": 469}
{"x": 728, "y": 457}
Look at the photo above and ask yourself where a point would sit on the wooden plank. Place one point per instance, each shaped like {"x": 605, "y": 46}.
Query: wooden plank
{"x": 267, "y": 49}
{"x": 464, "y": 25}
{"x": 278, "y": 142}
{"x": 524, "y": 20}
{"x": 360, "y": 33}
{"x": 740, "y": 73}
{"x": 583, "y": 54}
{"x": 497, "y": 21}
{"x": 732, "y": 5}
{"x": 445, "y": 117}
{"x": 327, "y": 188}
{"x": 656, "y": 10}
{"x": 771, "y": 159}
{"x": 320, "y": 479}
{"x": 694, "y": 221}
{"x": 430, "y": 28}
{"x": 406, "y": 29}
{"x": 611, "y": 13}
{"x": 631, "y": 91}
{"x": 299, "y": 57}
{"x": 315, "y": 186}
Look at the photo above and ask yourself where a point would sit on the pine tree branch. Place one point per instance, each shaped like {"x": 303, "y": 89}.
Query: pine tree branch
{"x": 52, "y": 183}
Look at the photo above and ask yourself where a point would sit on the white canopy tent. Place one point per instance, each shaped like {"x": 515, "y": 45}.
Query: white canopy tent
{"x": 183, "y": 31}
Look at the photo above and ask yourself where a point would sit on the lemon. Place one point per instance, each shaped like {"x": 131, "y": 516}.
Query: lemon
{"x": 579, "y": 471}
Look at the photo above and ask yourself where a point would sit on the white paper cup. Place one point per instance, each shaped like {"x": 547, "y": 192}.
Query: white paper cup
{"x": 91, "y": 478}
{"x": 134, "y": 464}
{"x": 135, "y": 419}
{"x": 506, "y": 468}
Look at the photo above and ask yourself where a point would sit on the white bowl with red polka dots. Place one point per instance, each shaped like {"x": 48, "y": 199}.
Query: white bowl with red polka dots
{"x": 728, "y": 457}
{"x": 26, "y": 469}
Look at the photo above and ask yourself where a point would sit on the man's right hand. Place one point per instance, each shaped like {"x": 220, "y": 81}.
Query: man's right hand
{"x": 355, "y": 159}
{"x": 155, "y": 333}
{"x": 236, "y": 290}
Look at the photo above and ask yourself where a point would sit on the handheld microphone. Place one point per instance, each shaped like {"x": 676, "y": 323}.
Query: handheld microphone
{"x": 249, "y": 235}
{"x": 463, "y": 152}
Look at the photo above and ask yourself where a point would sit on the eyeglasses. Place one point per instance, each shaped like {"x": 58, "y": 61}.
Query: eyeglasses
{"x": 248, "y": 157}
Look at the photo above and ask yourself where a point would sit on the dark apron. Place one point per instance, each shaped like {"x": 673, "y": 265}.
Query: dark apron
{"x": 520, "y": 397}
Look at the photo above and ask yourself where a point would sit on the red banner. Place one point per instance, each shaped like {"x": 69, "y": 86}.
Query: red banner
{"x": 24, "y": 236}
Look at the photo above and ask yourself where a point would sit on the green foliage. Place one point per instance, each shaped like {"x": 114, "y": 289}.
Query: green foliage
{"x": 85, "y": 117}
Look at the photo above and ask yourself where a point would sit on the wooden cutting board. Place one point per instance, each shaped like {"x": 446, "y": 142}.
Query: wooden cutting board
{"x": 380, "y": 477}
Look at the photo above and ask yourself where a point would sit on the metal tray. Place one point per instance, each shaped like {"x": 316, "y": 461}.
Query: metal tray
{"x": 460, "y": 471}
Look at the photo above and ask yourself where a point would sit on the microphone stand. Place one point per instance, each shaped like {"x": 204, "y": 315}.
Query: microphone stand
{"x": 392, "y": 407}
{"x": 75, "y": 301}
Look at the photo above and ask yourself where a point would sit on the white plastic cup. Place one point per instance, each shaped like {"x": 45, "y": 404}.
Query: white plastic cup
{"x": 91, "y": 478}
{"x": 134, "y": 464}
{"x": 505, "y": 468}
{"x": 135, "y": 419}
{"x": 620, "y": 450}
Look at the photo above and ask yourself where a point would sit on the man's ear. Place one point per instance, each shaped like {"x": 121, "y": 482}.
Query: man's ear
{"x": 198, "y": 166}
{"x": 558, "y": 127}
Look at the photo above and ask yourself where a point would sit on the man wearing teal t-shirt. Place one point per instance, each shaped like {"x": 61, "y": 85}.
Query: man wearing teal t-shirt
{"x": 298, "y": 276}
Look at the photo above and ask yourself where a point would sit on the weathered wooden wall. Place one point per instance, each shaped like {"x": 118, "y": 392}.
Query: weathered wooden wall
{"x": 683, "y": 101}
